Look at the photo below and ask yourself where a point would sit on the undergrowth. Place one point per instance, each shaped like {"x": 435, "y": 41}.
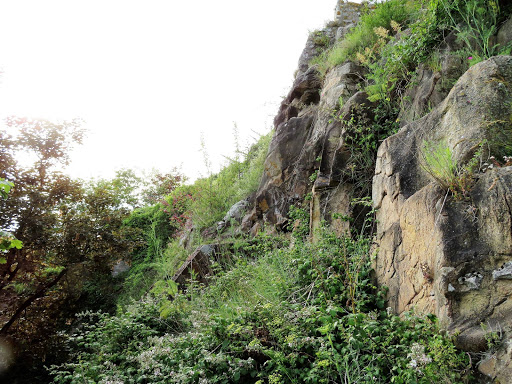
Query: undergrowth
{"x": 303, "y": 314}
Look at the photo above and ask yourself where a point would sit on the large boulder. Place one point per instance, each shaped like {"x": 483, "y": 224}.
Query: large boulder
{"x": 442, "y": 255}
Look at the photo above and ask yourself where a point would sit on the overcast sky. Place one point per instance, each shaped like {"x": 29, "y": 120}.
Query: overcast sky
{"x": 149, "y": 77}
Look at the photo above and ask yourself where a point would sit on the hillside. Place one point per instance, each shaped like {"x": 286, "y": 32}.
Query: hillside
{"x": 368, "y": 239}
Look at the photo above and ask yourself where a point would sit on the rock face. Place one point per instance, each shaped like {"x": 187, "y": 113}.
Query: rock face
{"x": 235, "y": 213}
{"x": 347, "y": 13}
{"x": 305, "y": 142}
{"x": 436, "y": 254}
{"x": 306, "y": 138}
{"x": 505, "y": 33}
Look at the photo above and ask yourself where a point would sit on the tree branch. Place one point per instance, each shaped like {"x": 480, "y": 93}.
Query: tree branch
{"x": 39, "y": 293}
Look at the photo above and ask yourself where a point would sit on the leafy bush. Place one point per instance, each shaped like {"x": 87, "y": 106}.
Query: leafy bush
{"x": 156, "y": 228}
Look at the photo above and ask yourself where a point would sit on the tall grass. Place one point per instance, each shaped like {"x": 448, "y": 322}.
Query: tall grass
{"x": 214, "y": 195}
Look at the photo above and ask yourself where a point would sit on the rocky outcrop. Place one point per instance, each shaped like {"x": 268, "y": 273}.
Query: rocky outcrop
{"x": 437, "y": 254}
{"x": 234, "y": 214}
{"x": 504, "y": 36}
{"x": 307, "y": 133}
{"x": 347, "y": 12}
{"x": 305, "y": 142}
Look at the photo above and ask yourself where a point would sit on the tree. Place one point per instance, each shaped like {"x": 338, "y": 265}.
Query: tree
{"x": 71, "y": 231}
{"x": 161, "y": 185}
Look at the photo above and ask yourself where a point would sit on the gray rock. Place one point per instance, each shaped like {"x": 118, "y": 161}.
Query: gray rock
{"x": 341, "y": 32}
{"x": 470, "y": 282}
{"x": 120, "y": 267}
{"x": 236, "y": 212}
{"x": 347, "y": 12}
{"x": 207, "y": 249}
{"x": 505, "y": 272}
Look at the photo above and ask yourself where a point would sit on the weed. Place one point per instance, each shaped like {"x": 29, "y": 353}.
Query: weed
{"x": 475, "y": 22}
{"x": 437, "y": 160}
{"x": 493, "y": 337}
{"x": 320, "y": 38}
{"x": 385, "y": 14}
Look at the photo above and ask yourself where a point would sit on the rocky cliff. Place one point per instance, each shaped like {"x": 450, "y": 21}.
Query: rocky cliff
{"x": 439, "y": 250}
{"x": 440, "y": 182}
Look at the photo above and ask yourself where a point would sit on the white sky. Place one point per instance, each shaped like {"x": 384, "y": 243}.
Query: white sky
{"x": 149, "y": 77}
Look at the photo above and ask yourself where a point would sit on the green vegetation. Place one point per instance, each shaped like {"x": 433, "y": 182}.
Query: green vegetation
{"x": 363, "y": 38}
{"x": 439, "y": 163}
{"x": 215, "y": 194}
{"x": 306, "y": 314}
{"x": 366, "y": 129}
{"x": 204, "y": 203}
{"x": 381, "y": 33}
{"x": 475, "y": 22}
{"x": 279, "y": 309}
{"x": 457, "y": 178}
{"x": 7, "y": 240}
